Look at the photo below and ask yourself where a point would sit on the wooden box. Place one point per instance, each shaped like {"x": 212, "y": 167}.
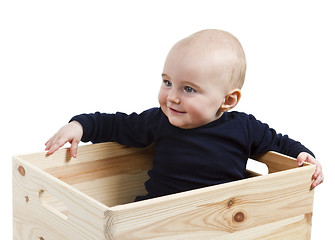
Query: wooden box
{"x": 91, "y": 197}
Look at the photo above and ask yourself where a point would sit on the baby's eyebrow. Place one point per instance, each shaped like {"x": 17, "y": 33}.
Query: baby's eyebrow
{"x": 165, "y": 75}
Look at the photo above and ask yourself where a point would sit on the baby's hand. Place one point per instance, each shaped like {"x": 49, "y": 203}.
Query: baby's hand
{"x": 318, "y": 174}
{"x": 71, "y": 132}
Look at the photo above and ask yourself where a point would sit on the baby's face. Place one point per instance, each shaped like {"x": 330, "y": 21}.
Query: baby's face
{"x": 192, "y": 92}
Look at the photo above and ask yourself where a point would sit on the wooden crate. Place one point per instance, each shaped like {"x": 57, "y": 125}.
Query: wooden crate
{"x": 91, "y": 197}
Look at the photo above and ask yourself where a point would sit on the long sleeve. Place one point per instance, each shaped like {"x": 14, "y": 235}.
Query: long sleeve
{"x": 263, "y": 138}
{"x": 136, "y": 130}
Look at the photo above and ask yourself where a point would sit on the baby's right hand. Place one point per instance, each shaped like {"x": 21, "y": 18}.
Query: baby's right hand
{"x": 71, "y": 132}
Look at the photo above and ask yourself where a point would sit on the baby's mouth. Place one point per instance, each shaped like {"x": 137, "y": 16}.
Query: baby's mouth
{"x": 175, "y": 111}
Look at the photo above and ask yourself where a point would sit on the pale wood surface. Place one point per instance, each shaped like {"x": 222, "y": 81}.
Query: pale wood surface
{"x": 221, "y": 212}
{"x": 34, "y": 218}
{"x": 57, "y": 197}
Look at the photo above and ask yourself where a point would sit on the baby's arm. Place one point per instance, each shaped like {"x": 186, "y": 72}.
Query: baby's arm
{"x": 318, "y": 174}
{"x": 71, "y": 132}
{"x": 264, "y": 138}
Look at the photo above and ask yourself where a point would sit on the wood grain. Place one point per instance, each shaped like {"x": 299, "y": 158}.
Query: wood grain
{"x": 90, "y": 197}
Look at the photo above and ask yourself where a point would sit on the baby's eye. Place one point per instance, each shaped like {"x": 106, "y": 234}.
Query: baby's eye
{"x": 189, "y": 89}
{"x": 167, "y": 83}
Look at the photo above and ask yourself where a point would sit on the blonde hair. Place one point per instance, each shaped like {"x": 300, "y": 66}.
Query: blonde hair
{"x": 227, "y": 46}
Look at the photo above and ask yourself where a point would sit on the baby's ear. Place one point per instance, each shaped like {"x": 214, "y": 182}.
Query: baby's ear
{"x": 231, "y": 100}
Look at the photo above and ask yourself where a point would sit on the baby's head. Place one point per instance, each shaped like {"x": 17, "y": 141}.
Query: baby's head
{"x": 202, "y": 78}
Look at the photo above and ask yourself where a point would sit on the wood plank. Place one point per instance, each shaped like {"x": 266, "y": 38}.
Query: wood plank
{"x": 218, "y": 211}
{"x": 87, "y": 153}
{"x": 95, "y": 169}
{"x": 277, "y": 162}
{"x": 34, "y": 218}
{"x": 85, "y": 194}
{"x": 115, "y": 190}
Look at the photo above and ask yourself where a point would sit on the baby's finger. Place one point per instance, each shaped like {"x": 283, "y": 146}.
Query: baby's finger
{"x": 55, "y": 145}
{"x": 317, "y": 181}
{"x": 318, "y": 172}
{"x": 300, "y": 160}
{"x": 47, "y": 146}
{"x": 302, "y": 157}
{"x": 48, "y": 143}
{"x": 74, "y": 148}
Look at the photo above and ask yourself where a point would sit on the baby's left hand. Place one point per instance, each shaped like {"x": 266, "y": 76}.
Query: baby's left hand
{"x": 318, "y": 174}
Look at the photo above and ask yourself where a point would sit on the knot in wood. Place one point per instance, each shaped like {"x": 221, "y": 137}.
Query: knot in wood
{"x": 21, "y": 170}
{"x": 231, "y": 202}
{"x": 239, "y": 217}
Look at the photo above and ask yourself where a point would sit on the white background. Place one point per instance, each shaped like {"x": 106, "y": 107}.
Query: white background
{"x": 61, "y": 58}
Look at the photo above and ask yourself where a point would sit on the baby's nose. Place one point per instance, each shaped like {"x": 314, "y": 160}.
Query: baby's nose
{"x": 173, "y": 97}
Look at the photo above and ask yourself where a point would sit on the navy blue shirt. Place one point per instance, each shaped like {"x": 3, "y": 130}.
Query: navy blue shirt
{"x": 187, "y": 159}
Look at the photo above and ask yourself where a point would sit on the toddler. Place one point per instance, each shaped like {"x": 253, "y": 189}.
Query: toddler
{"x": 198, "y": 141}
